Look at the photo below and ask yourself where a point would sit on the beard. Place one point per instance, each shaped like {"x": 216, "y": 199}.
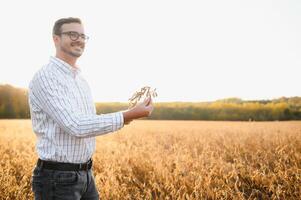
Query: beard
{"x": 70, "y": 49}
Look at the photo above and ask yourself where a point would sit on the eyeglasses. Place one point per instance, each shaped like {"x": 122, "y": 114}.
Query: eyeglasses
{"x": 75, "y": 35}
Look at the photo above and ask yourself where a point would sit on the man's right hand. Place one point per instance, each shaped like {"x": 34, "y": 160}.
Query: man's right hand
{"x": 143, "y": 109}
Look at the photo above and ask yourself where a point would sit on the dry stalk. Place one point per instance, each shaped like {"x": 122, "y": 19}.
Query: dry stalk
{"x": 144, "y": 92}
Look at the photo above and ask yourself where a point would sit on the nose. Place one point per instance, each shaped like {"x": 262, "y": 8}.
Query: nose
{"x": 84, "y": 38}
{"x": 81, "y": 39}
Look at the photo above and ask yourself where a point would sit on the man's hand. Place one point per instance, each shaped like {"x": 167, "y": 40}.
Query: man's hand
{"x": 143, "y": 109}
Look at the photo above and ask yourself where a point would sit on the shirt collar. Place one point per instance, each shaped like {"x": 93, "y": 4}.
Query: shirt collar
{"x": 65, "y": 66}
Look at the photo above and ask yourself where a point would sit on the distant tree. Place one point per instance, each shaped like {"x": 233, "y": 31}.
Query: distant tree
{"x": 14, "y": 104}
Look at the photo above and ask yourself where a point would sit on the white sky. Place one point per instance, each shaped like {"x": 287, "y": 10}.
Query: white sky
{"x": 188, "y": 50}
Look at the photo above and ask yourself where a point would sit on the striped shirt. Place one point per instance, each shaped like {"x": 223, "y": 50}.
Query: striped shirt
{"x": 63, "y": 114}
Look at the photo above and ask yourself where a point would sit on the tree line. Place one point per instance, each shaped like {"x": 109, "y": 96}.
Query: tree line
{"x": 14, "y": 104}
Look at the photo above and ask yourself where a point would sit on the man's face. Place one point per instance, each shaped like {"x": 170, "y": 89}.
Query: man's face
{"x": 71, "y": 40}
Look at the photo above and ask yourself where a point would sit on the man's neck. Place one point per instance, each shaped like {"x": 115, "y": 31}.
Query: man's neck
{"x": 68, "y": 59}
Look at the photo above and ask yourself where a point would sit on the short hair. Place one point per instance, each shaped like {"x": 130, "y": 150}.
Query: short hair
{"x": 59, "y": 23}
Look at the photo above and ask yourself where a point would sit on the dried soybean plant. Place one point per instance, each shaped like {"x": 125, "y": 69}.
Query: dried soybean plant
{"x": 144, "y": 92}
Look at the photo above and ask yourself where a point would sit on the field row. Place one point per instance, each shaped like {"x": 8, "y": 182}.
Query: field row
{"x": 174, "y": 160}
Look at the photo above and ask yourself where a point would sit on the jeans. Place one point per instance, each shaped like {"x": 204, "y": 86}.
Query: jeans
{"x": 63, "y": 185}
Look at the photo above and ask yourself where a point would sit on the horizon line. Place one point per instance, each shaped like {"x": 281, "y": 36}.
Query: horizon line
{"x": 178, "y": 101}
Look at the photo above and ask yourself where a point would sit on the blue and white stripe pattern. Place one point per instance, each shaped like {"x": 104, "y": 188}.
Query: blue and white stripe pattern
{"x": 64, "y": 116}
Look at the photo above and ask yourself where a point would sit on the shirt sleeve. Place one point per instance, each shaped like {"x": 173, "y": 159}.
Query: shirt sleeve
{"x": 54, "y": 100}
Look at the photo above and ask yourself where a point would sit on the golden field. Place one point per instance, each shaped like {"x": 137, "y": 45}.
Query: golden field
{"x": 173, "y": 160}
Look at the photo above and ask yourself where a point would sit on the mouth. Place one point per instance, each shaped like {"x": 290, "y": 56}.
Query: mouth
{"x": 77, "y": 45}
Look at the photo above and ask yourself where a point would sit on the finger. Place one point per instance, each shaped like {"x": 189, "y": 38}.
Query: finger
{"x": 150, "y": 102}
{"x": 150, "y": 111}
{"x": 147, "y": 100}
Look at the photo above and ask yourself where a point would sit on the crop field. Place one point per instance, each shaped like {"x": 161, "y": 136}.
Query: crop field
{"x": 173, "y": 160}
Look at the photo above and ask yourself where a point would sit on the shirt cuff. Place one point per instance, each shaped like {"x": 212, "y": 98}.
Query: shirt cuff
{"x": 118, "y": 121}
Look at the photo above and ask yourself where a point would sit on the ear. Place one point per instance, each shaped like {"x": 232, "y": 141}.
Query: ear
{"x": 56, "y": 39}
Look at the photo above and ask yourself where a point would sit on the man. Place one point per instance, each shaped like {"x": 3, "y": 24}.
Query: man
{"x": 65, "y": 121}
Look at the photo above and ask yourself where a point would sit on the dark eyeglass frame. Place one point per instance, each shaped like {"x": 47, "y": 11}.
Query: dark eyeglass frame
{"x": 73, "y": 35}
